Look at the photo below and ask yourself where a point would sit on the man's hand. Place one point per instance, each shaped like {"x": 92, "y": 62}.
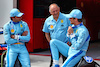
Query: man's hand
{"x": 25, "y": 33}
{"x": 70, "y": 30}
{"x": 12, "y": 36}
{"x": 47, "y": 35}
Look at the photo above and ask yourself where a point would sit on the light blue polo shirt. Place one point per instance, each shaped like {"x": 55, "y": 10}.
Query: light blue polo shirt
{"x": 57, "y": 29}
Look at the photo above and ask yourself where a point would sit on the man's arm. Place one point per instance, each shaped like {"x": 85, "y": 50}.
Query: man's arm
{"x": 6, "y": 33}
{"x": 47, "y": 35}
{"x": 25, "y": 37}
{"x": 23, "y": 34}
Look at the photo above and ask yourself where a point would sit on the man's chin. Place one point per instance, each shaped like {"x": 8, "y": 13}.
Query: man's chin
{"x": 71, "y": 23}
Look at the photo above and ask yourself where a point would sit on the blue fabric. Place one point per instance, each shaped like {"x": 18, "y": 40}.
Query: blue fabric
{"x": 81, "y": 35}
{"x": 57, "y": 29}
{"x": 15, "y": 22}
{"x": 3, "y": 45}
{"x": 73, "y": 53}
{"x": 69, "y": 60}
{"x": 77, "y": 25}
{"x": 1, "y": 32}
{"x": 87, "y": 38}
{"x": 58, "y": 46}
{"x": 21, "y": 52}
{"x": 15, "y": 50}
{"x": 16, "y": 29}
{"x": 57, "y": 66}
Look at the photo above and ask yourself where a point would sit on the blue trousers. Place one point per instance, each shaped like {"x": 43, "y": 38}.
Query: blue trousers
{"x": 73, "y": 56}
{"x": 17, "y": 50}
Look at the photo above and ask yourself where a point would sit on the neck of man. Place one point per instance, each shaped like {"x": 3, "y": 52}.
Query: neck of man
{"x": 15, "y": 21}
{"x": 56, "y": 18}
{"x": 77, "y": 23}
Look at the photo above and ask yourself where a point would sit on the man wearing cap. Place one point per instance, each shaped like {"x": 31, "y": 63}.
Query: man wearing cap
{"x": 16, "y": 33}
{"x": 56, "y": 25}
{"x": 79, "y": 38}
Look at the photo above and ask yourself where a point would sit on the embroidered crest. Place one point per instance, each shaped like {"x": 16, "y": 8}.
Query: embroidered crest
{"x": 51, "y": 26}
{"x": 12, "y": 30}
{"x": 62, "y": 21}
{"x": 18, "y": 10}
{"x": 76, "y": 30}
{"x": 21, "y": 25}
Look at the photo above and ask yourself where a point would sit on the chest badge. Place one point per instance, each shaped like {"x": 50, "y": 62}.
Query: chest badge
{"x": 21, "y": 25}
{"x": 76, "y": 30}
{"x": 12, "y": 30}
{"x": 51, "y": 26}
{"x": 62, "y": 21}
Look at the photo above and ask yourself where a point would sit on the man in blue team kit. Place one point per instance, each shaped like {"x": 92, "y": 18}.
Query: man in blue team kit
{"x": 16, "y": 33}
{"x": 56, "y": 25}
{"x": 79, "y": 38}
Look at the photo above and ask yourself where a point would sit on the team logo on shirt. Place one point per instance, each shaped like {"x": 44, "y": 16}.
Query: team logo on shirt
{"x": 62, "y": 21}
{"x": 51, "y": 26}
{"x": 21, "y": 25}
{"x": 18, "y": 10}
{"x": 12, "y": 30}
{"x": 76, "y": 30}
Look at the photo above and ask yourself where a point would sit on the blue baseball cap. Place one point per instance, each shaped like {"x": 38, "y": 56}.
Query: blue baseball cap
{"x": 75, "y": 13}
{"x": 15, "y": 12}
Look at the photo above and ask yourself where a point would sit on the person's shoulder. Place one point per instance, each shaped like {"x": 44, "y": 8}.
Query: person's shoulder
{"x": 49, "y": 18}
{"x": 23, "y": 22}
{"x": 7, "y": 24}
{"x": 83, "y": 28}
{"x": 64, "y": 15}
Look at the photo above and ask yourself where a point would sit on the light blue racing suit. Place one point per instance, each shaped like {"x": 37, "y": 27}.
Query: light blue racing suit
{"x": 57, "y": 29}
{"x": 16, "y": 47}
{"x": 74, "y": 52}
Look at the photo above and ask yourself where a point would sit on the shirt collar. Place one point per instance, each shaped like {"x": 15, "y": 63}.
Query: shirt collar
{"x": 75, "y": 26}
{"x": 58, "y": 17}
{"x": 14, "y": 22}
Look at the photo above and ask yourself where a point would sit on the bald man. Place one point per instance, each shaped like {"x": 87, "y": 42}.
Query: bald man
{"x": 55, "y": 26}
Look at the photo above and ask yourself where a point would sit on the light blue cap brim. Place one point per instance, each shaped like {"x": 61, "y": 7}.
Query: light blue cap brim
{"x": 20, "y": 14}
{"x": 68, "y": 16}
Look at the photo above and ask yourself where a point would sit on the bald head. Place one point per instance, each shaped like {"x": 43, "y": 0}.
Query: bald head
{"x": 53, "y": 6}
{"x": 54, "y": 10}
